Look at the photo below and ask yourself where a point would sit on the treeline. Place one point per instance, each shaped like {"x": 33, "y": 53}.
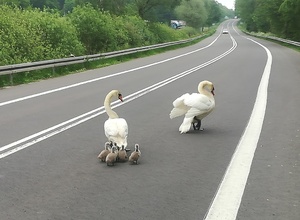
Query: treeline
{"x": 280, "y": 17}
{"x": 151, "y": 10}
{"x": 34, "y": 30}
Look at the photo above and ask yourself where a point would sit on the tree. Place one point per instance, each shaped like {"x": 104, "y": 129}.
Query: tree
{"x": 244, "y": 10}
{"x": 290, "y": 11}
{"x": 68, "y": 6}
{"x": 147, "y": 8}
{"x": 214, "y": 12}
{"x": 53, "y": 4}
{"x": 163, "y": 13}
{"x": 193, "y": 12}
{"x": 21, "y": 3}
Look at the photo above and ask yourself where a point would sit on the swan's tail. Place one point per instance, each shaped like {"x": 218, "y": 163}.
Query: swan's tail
{"x": 179, "y": 107}
{"x": 186, "y": 125}
{"x": 177, "y": 112}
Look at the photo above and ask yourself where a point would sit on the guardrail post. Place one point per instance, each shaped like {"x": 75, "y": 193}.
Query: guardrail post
{"x": 11, "y": 79}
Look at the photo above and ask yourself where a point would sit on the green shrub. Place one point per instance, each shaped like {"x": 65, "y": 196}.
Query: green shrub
{"x": 165, "y": 33}
{"x": 138, "y": 31}
{"x": 95, "y": 28}
{"x": 34, "y": 35}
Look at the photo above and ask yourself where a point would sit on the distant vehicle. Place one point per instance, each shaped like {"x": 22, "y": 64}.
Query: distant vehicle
{"x": 225, "y": 31}
{"x": 177, "y": 24}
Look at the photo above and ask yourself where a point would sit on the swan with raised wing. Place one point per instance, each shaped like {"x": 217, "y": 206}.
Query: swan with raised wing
{"x": 115, "y": 128}
{"x": 194, "y": 106}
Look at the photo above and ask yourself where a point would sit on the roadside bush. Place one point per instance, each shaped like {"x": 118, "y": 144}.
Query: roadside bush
{"x": 34, "y": 35}
{"x": 165, "y": 33}
{"x": 58, "y": 35}
{"x": 189, "y": 31}
{"x": 138, "y": 31}
{"x": 17, "y": 40}
{"x": 95, "y": 28}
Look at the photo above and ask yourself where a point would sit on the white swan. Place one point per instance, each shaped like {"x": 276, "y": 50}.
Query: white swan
{"x": 115, "y": 128}
{"x": 194, "y": 106}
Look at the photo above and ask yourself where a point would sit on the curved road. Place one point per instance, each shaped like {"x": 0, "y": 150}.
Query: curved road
{"x": 244, "y": 165}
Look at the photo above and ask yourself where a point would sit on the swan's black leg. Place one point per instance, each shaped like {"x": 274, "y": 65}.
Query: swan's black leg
{"x": 198, "y": 125}
{"x": 194, "y": 126}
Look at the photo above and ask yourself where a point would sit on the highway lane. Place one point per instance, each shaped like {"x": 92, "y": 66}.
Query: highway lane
{"x": 60, "y": 177}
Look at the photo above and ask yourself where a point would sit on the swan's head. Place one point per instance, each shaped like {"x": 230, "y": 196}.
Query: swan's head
{"x": 113, "y": 94}
{"x": 120, "y": 96}
{"x": 207, "y": 85}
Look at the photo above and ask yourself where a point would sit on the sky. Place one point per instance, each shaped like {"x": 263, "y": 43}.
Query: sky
{"x": 228, "y": 3}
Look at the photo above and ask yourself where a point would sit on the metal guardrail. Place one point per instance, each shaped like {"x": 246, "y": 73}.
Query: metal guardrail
{"x": 25, "y": 67}
{"x": 295, "y": 43}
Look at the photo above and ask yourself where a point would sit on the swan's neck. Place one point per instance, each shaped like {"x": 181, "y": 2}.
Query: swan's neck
{"x": 203, "y": 90}
{"x": 107, "y": 102}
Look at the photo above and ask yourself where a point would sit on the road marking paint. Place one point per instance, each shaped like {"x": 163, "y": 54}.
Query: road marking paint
{"x": 42, "y": 135}
{"x": 227, "y": 200}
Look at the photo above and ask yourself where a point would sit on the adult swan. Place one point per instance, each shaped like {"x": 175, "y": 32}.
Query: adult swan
{"x": 115, "y": 128}
{"x": 194, "y": 106}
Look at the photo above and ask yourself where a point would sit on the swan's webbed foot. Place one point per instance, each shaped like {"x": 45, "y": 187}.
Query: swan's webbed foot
{"x": 198, "y": 125}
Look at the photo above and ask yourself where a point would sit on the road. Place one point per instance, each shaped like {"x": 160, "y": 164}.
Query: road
{"x": 52, "y": 131}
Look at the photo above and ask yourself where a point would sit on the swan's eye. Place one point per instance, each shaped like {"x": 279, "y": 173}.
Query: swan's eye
{"x": 120, "y": 97}
{"x": 212, "y": 91}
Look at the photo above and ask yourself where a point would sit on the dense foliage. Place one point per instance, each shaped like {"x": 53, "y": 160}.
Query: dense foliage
{"x": 33, "y": 35}
{"x": 34, "y": 30}
{"x": 280, "y": 17}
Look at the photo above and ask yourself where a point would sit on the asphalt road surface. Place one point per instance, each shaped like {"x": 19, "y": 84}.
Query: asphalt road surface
{"x": 244, "y": 165}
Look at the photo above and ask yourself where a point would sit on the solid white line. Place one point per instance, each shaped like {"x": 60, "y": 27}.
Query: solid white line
{"x": 227, "y": 200}
{"x": 91, "y": 114}
{"x": 103, "y": 77}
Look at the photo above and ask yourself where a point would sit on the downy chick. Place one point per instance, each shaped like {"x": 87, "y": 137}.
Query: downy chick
{"x": 122, "y": 154}
{"x": 111, "y": 158}
{"x": 105, "y": 152}
{"x": 135, "y": 155}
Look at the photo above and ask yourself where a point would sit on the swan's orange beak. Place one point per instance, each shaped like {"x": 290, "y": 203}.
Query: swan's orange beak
{"x": 120, "y": 97}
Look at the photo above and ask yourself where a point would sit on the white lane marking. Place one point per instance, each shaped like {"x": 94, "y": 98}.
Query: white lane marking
{"x": 91, "y": 114}
{"x": 103, "y": 77}
{"x": 228, "y": 198}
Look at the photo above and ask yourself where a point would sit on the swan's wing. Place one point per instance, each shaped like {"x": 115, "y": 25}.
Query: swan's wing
{"x": 179, "y": 102}
{"x": 179, "y": 107}
{"x": 198, "y": 101}
{"x": 122, "y": 127}
{"x": 199, "y": 104}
